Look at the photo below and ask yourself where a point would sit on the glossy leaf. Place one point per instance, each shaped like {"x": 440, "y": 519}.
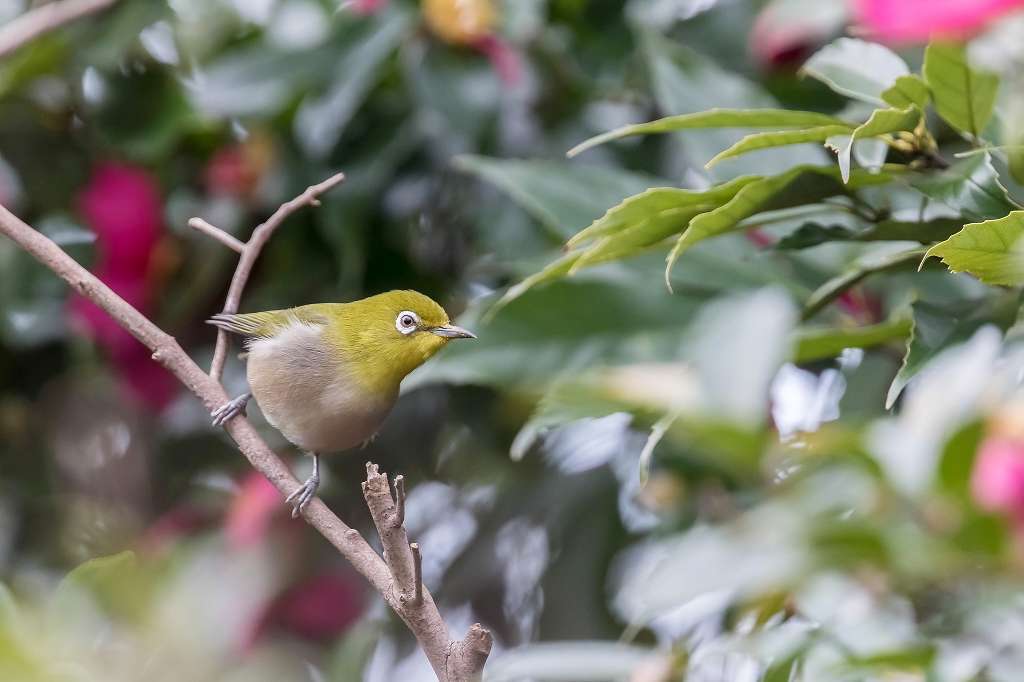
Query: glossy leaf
{"x": 857, "y": 68}
{"x": 564, "y": 197}
{"x": 715, "y": 118}
{"x": 882, "y": 122}
{"x": 964, "y": 97}
{"x": 778, "y": 139}
{"x": 970, "y": 186}
{"x": 863, "y": 267}
{"x": 320, "y": 121}
{"x": 939, "y": 326}
{"x": 907, "y": 91}
{"x": 800, "y": 185}
{"x": 652, "y": 202}
{"x": 991, "y": 250}
{"x": 686, "y": 81}
{"x": 823, "y": 343}
{"x": 814, "y": 234}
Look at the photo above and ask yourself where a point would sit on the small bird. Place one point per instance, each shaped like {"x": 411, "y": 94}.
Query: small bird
{"x": 326, "y": 375}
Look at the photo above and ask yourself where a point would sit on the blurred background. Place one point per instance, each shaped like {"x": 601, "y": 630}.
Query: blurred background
{"x": 555, "y": 497}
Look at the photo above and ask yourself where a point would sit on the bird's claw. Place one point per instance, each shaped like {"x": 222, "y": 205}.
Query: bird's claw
{"x": 231, "y": 409}
{"x": 303, "y": 495}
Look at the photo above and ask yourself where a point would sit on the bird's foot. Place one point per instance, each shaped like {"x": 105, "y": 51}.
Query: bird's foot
{"x": 368, "y": 441}
{"x": 305, "y": 492}
{"x": 231, "y": 409}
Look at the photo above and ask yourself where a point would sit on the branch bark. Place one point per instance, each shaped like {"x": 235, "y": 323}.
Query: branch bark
{"x": 260, "y": 236}
{"x": 452, "y": 661}
{"x": 49, "y": 17}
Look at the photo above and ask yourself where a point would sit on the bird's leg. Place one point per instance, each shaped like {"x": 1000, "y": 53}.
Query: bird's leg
{"x": 231, "y": 409}
{"x": 307, "y": 491}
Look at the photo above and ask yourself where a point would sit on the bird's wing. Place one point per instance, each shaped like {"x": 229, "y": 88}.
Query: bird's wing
{"x": 265, "y": 324}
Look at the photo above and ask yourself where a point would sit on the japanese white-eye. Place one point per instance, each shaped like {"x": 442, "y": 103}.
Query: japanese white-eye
{"x": 326, "y": 375}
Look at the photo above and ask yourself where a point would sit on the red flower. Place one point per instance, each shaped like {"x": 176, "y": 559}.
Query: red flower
{"x": 917, "y": 21}
{"x": 121, "y": 205}
{"x": 320, "y": 608}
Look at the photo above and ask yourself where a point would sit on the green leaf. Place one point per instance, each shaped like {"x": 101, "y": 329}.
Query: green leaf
{"x": 647, "y": 232}
{"x": 827, "y": 342}
{"x": 1013, "y": 134}
{"x": 111, "y": 581}
{"x": 857, "y": 69}
{"x": 321, "y": 120}
{"x": 964, "y": 97}
{"x": 778, "y": 139}
{"x": 716, "y": 118}
{"x": 652, "y": 202}
{"x": 991, "y": 250}
{"x": 555, "y": 329}
{"x": 882, "y": 122}
{"x": 532, "y": 338}
{"x": 860, "y": 269}
{"x": 797, "y": 186}
{"x": 813, "y": 234}
{"x": 936, "y": 327}
{"x": 563, "y": 197}
{"x": 970, "y": 186}
{"x": 907, "y": 91}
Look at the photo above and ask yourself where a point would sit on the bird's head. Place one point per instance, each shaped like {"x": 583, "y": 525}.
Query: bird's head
{"x": 390, "y": 334}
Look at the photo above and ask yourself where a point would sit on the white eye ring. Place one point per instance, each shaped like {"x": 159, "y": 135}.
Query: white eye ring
{"x": 407, "y": 322}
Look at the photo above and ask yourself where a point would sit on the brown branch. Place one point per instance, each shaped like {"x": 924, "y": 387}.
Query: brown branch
{"x": 220, "y": 235}
{"x": 44, "y": 19}
{"x": 452, "y": 661}
{"x": 251, "y": 252}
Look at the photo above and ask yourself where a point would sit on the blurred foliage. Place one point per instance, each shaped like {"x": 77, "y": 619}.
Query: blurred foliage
{"x": 745, "y": 403}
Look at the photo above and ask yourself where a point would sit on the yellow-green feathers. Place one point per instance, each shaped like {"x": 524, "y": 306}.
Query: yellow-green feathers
{"x": 366, "y": 335}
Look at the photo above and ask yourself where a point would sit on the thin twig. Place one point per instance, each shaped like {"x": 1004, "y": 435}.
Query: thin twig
{"x": 400, "y": 499}
{"x": 44, "y": 19}
{"x": 217, "y": 233}
{"x": 417, "y": 564}
{"x": 452, "y": 661}
{"x": 251, "y": 252}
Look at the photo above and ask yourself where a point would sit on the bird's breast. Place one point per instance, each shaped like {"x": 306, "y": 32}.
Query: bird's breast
{"x": 310, "y": 395}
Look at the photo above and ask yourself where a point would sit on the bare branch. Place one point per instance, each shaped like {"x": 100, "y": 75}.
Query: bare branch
{"x": 251, "y": 252}
{"x": 44, "y": 19}
{"x": 466, "y": 658}
{"x": 217, "y": 233}
{"x": 388, "y": 519}
{"x": 451, "y": 661}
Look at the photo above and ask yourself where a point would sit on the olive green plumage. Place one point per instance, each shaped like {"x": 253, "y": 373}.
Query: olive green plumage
{"x": 327, "y": 374}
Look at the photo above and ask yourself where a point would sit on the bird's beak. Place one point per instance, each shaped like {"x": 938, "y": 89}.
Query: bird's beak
{"x": 450, "y": 331}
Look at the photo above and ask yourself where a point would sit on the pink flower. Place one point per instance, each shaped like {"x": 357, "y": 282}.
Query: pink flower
{"x": 997, "y": 482}
{"x": 367, "y": 7}
{"x": 781, "y": 39}
{"x": 252, "y": 511}
{"x": 121, "y": 205}
{"x": 917, "y": 21}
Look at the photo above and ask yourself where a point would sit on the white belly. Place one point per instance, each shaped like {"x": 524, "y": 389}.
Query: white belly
{"x": 309, "y": 396}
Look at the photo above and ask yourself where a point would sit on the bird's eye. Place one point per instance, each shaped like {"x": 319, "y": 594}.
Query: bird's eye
{"x": 406, "y": 322}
